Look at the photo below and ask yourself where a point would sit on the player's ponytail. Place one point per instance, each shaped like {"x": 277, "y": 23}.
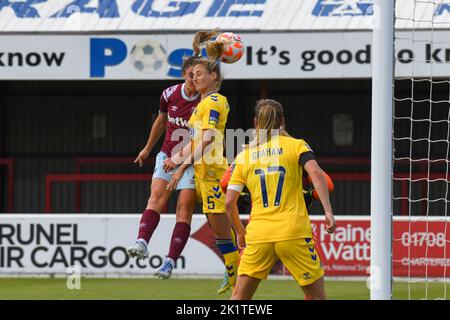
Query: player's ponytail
{"x": 269, "y": 116}
{"x": 214, "y": 49}
{"x": 266, "y": 116}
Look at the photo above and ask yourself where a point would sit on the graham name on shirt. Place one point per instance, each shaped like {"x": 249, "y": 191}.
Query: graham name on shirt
{"x": 267, "y": 152}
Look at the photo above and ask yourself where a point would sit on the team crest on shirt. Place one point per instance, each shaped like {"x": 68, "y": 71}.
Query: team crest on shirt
{"x": 214, "y": 117}
{"x": 174, "y": 108}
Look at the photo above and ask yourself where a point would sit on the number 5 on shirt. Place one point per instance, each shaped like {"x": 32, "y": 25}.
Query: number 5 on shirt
{"x": 211, "y": 204}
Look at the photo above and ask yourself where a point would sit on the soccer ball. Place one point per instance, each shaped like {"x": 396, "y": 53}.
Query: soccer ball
{"x": 234, "y": 47}
{"x": 148, "y": 56}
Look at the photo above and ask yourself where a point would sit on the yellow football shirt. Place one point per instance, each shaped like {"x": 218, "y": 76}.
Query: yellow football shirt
{"x": 273, "y": 175}
{"x": 210, "y": 113}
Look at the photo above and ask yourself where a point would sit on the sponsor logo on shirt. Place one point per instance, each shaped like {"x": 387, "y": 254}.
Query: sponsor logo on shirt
{"x": 214, "y": 117}
{"x": 178, "y": 121}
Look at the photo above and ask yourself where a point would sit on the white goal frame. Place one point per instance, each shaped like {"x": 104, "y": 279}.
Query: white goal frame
{"x": 381, "y": 150}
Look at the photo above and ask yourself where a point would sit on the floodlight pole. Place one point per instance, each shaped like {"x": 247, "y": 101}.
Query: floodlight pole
{"x": 381, "y": 157}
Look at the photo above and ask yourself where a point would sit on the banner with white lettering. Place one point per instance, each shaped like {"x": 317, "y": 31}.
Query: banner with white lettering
{"x": 49, "y": 244}
{"x": 267, "y": 56}
{"x": 415, "y": 242}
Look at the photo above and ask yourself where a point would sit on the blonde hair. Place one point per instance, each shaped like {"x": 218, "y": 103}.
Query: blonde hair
{"x": 269, "y": 116}
{"x": 214, "y": 48}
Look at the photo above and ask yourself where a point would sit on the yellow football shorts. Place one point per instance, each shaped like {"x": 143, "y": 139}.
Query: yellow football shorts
{"x": 298, "y": 255}
{"x": 211, "y": 195}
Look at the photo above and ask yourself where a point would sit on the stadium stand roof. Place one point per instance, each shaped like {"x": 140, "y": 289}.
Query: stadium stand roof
{"x": 192, "y": 15}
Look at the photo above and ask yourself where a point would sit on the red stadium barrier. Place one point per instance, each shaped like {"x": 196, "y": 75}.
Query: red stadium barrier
{"x": 9, "y": 163}
{"x": 78, "y": 178}
{"x": 343, "y": 160}
{"x": 100, "y": 160}
{"x": 402, "y": 178}
{"x": 49, "y": 179}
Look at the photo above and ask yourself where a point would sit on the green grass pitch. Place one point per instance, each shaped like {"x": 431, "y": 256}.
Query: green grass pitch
{"x": 189, "y": 289}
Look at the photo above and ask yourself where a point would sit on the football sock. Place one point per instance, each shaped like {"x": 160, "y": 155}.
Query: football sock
{"x": 231, "y": 256}
{"x": 233, "y": 237}
{"x": 148, "y": 224}
{"x": 180, "y": 236}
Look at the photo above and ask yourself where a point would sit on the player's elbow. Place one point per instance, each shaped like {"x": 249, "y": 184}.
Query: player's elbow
{"x": 315, "y": 173}
{"x": 162, "y": 123}
{"x": 159, "y": 124}
{"x": 229, "y": 204}
{"x": 230, "y": 201}
{"x": 317, "y": 177}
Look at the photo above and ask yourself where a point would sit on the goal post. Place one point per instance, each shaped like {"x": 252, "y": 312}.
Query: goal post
{"x": 381, "y": 150}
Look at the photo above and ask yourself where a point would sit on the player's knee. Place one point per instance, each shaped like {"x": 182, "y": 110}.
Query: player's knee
{"x": 155, "y": 202}
{"x": 184, "y": 214}
{"x": 237, "y": 295}
{"x": 240, "y": 294}
{"x": 315, "y": 291}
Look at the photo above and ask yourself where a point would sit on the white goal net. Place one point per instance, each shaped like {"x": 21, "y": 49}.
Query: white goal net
{"x": 421, "y": 133}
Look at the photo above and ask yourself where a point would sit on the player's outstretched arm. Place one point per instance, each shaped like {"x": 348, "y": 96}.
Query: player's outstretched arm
{"x": 158, "y": 127}
{"x": 320, "y": 184}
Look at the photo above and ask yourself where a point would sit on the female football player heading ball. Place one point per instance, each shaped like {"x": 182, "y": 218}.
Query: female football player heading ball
{"x": 205, "y": 151}
{"x": 271, "y": 167}
{"x": 176, "y": 105}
